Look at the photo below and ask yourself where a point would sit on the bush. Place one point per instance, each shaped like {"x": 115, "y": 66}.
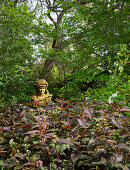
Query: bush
{"x": 16, "y": 85}
{"x": 68, "y": 134}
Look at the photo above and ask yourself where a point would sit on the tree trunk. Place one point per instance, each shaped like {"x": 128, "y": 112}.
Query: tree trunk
{"x": 48, "y": 65}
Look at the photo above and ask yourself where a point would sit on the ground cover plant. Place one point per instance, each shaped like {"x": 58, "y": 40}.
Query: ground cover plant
{"x": 70, "y": 134}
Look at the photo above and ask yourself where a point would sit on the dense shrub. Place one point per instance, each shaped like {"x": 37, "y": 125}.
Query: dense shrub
{"x": 67, "y": 134}
{"x": 16, "y": 85}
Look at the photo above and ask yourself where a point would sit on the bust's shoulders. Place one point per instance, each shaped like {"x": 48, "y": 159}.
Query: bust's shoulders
{"x": 34, "y": 97}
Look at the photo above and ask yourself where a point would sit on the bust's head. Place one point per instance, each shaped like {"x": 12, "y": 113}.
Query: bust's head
{"x": 43, "y": 89}
{"x": 42, "y": 92}
{"x": 42, "y": 83}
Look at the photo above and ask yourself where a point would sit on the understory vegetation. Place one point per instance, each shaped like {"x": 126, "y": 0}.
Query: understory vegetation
{"x": 81, "y": 48}
{"x": 65, "y": 135}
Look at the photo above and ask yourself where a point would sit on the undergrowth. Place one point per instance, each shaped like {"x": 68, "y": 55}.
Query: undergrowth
{"x": 65, "y": 135}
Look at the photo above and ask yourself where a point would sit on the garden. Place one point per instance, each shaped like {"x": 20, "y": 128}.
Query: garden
{"x": 80, "y": 49}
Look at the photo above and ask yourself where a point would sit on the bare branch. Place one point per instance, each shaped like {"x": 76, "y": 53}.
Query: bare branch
{"x": 48, "y": 3}
{"x": 122, "y": 5}
{"x": 54, "y": 2}
{"x": 50, "y": 17}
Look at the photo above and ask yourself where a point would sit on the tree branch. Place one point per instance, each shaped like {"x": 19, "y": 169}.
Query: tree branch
{"x": 117, "y": 5}
{"x": 50, "y": 17}
{"x": 59, "y": 19}
{"x": 122, "y": 5}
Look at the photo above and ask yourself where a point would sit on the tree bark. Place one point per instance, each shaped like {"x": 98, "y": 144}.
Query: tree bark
{"x": 48, "y": 65}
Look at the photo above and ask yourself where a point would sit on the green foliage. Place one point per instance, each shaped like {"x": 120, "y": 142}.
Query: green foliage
{"x": 118, "y": 82}
{"x": 16, "y": 52}
{"x": 89, "y": 48}
{"x": 15, "y": 85}
{"x": 15, "y": 27}
{"x": 97, "y": 40}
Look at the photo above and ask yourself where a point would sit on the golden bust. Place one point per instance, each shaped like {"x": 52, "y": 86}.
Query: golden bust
{"x": 42, "y": 93}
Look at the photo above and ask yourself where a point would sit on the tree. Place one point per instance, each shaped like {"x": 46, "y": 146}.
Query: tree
{"x": 101, "y": 27}
{"x": 16, "y": 51}
{"x": 96, "y": 33}
{"x": 77, "y": 41}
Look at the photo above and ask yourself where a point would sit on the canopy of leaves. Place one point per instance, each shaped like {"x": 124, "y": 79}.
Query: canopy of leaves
{"x": 16, "y": 50}
{"x": 75, "y": 45}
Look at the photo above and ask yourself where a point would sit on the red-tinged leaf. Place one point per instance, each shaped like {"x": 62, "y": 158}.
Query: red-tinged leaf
{"x": 2, "y": 111}
{"x": 49, "y": 150}
{"x": 46, "y": 126}
{"x": 88, "y": 112}
{"x": 91, "y": 141}
{"x": 19, "y": 155}
{"x": 100, "y": 150}
{"x": 117, "y": 114}
{"x": 69, "y": 114}
{"x": 83, "y": 146}
{"x": 41, "y": 110}
{"x": 28, "y": 104}
{"x": 53, "y": 130}
{"x": 13, "y": 152}
{"x": 13, "y": 164}
{"x": 26, "y": 125}
{"x": 18, "y": 124}
{"x": 124, "y": 147}
{"x": 67, "y": 126}
{"x": 38, "y": 146}
{"x": 111, "y": 141}
{"x": 23, "y": 113}
{"x": 32, "y": 132}
{"x": 116, "y": 122}
{"x": 29, "y": 164}
{"x": 117, "y": 158}
{"x": 70, "y": 121}
{"x": 100, "y": 111}
{"x": 103, "y": 160}
{"x": 35, "y": 126}
{"x": 39, "y": 163}
{"x": 125, "y": 110}
{"x": 58, "y": 108}
{"x": 71, "y": 105}
{"x": 2, "y": 151}
{"x": 63, "y": 108}
{"x": 82, "y": 122}
{"x": 65, "y": 122}
{"x": 5, "y": 128}
{"x": 50, "y": 136}
{"x": 38, "y": 118}
{"x": 67, "y": 141}
{"x": 18, "y": 111}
